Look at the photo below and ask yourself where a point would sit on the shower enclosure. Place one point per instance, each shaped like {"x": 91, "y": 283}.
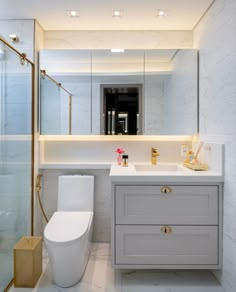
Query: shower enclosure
{"x": 16, "y": 154}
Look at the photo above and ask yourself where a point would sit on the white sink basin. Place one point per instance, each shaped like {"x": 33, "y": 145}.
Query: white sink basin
{"x": 158, "y": 167}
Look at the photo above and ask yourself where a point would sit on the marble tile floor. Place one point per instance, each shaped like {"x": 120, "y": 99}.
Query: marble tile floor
{"x": 6, "y": 268}
{"x": 101, "y": 277}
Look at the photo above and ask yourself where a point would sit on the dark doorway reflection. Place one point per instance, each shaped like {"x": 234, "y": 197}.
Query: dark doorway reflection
{"x": 121, "y": 109}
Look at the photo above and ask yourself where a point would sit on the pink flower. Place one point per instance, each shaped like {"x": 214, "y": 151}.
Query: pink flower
{"x": 120, "y": 150}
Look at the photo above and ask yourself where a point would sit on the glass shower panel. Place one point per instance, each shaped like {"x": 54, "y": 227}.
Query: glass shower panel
{"x": 15, "y": 156}
{"x": 52, "y": 108}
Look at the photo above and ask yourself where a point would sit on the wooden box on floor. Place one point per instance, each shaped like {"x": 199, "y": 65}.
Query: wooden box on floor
{"x": 27, "y": 261}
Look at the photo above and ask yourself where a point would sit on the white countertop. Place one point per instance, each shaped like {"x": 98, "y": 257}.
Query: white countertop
{"x": 130, "y": 174}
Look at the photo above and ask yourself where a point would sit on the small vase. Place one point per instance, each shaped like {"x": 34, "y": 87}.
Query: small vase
{"x": 119, "y": 159}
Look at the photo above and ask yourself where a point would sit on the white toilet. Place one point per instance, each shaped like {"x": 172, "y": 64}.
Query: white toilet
{"x": 68, "y": 234}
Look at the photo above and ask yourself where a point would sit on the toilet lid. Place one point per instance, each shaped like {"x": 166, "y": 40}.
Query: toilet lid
{"x": 67, "y": 226}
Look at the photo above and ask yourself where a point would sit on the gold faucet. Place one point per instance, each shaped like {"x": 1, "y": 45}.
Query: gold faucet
{"x": 155, "y": 153}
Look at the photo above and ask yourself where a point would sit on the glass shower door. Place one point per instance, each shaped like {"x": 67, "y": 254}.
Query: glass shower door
{"x": 15, "y": 155}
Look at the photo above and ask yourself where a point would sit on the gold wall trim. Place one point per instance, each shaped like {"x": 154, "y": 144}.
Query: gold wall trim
{"x": 70, "y": 114}
{"x": 32, "y": 146}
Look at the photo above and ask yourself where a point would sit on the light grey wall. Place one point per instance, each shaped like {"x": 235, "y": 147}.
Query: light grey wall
{"x": 215, "y": 36}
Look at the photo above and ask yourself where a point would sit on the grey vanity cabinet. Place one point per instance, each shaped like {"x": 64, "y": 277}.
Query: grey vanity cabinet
{"x": 167, "y": 226}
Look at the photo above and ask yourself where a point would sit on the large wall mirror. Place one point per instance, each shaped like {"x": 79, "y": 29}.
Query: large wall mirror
{"x": 135, "y": 92}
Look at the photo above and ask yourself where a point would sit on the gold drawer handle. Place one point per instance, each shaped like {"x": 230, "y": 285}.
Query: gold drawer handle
{"x": 166, "y": 190}
{"x": 166, "y": 229}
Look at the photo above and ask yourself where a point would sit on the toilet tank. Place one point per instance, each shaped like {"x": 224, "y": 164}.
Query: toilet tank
{"x": 75, "y": 193}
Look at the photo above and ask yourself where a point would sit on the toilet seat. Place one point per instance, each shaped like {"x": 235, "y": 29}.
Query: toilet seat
{"x": 67, "y": 226}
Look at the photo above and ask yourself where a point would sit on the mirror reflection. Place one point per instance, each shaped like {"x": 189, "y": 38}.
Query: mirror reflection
{"x": 121, "y": 109}
{"x": 150, "y": 92}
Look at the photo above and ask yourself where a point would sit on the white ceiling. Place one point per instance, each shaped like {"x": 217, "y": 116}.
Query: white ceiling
{"x": 97, "y": 14}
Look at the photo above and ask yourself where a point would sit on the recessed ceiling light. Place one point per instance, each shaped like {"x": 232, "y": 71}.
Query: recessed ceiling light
{"x": 161, "y": 13}
{"x": 73, "y": 13}
{"x": 117, "y": 50}
{"x": 117, "y": 13}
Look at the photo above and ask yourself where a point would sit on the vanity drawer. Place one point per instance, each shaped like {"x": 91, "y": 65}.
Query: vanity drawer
{"x": 183, "y": 245}
{"x": 184, "y": 205}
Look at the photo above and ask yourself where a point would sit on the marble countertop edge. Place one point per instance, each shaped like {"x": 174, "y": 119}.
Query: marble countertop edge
{"x": 130, "y": 174}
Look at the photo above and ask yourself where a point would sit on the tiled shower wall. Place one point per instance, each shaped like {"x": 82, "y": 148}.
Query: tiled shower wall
{"x": 215, "y": 36}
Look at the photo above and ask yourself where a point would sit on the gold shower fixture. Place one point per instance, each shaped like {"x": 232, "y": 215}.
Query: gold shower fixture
{"x": 23, "y": 58}
{"x": 38, "y": 189}
{"x": 43, "y": 73}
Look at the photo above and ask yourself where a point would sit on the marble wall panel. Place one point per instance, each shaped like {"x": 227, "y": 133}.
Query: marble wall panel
{"x": 215, "y": 38}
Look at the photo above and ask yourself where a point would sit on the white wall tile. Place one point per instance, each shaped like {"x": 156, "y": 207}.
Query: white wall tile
{"x": 24, "y": 29}
{"x": 180, "y": 103}
{"x": 216, "y": 39}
